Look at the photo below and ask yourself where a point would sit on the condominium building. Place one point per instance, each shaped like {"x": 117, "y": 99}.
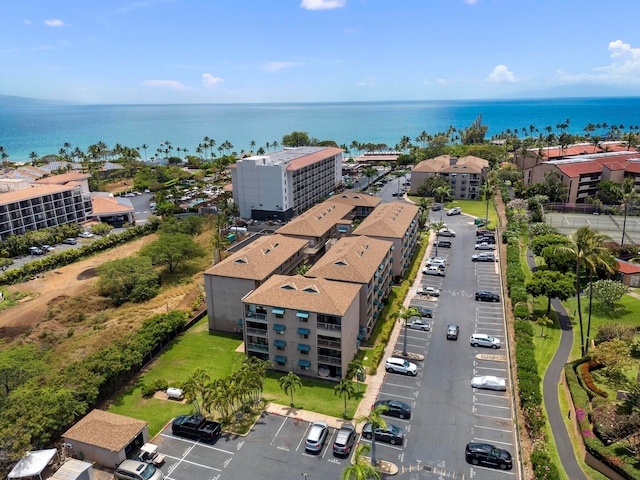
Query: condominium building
{"x": 227, "y": 282}
{"x": 398, "y": 223}
{"x": 283, "y": 184}
{"x": 465, "y": 175}
{"x": 42, "y": 206}
{"x": 363, "y": 261}
{"x": 319, "y": 225}
{"x": 304, "y": 325}
{"x": 364, "y": 203}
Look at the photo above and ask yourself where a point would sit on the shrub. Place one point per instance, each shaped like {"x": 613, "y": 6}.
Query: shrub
{"x": 543, "y": 467}
{"x": 518, "y": 293}
{"x": 585, "y": 371}
{"x": 612, "y": 331}
{"x": 521, "y": 311}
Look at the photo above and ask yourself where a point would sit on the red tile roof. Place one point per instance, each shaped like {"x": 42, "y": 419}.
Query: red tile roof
{"x": 576, "y": 169}
{"x": 627, "y": 268}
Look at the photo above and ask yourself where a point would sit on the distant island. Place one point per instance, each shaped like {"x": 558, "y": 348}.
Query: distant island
{"x": 12, "y": 101}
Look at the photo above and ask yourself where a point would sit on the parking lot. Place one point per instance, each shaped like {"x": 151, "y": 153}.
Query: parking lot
{"x": 274, "y": 449}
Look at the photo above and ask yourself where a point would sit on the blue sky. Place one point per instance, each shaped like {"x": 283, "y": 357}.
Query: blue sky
{"x": 236, "y": 51}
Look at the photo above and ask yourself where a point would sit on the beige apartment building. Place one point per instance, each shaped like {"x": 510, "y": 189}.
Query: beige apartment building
{"x": 319, "y": 225}
{"x": 465, "y": 175}
{"x": 227, "y": 282}
{"x": 396, "y": 222}
{"x": 364, "y": 261}
{"x": 308, "y": 326}
{"x": 364, "y": 203}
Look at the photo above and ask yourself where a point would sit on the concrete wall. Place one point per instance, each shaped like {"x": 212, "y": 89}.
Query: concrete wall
{"x": 224, "y": 301}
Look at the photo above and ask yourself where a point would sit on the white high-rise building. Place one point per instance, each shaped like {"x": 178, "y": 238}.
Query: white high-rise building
{"x": 285, "y": 183}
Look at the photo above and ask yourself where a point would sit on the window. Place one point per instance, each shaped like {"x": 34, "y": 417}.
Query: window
{"x": 304, "y": 364}
{"x": 302, "y": 315}
{"x": 303, "y": 332}
{"x": 279, "y": 329}
{"x": 278, "y": 312}
{"x": 279, "y": 344}
{"x": 280, "y": 359}
{"x": 304, "y": 348}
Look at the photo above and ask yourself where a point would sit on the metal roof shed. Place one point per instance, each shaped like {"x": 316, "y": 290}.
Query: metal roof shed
{"x": 33, "y": 463}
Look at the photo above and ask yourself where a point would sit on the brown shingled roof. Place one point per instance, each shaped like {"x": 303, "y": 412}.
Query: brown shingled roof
{"x": 33, "y": 192}
{"x": 260, "y": 258}
{"x": 103, "y": 204}
{"x": 389, "y": 220}
{"x": 63, "y": 178}
{"x": 318, "y": 220}
{"x": 351, "y": 259}
{"x": 356, "y": 199}
{"x": 105, "y": 430}
{"x": 312, "y": 294}
{"x": 442, "y": 164}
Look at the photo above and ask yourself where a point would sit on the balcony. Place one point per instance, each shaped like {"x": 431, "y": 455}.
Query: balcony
{"x": 322, "y": 342}
{"x": 330, "y": 360}
{"x": 257, "y": 316}
{"x": 259, "y": 347}
{"x": 257, "y": 331}
{"x": 330, "y": 326}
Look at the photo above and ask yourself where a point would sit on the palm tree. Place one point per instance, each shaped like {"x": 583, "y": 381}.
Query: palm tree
{"x": 360, "y": 469}
{"x": 585, "y": 245}
{"x": 197, "y": 388}
{"x": 290, "y": 383}
{"x": 344, "y": 389}
{"x": 436, "y": 227}
{"x": 252, "y": 144}
{"x": 376, "y": 419}
{"x": 487, "y": 190}
{"x": 405, "y": 314}
{"x": 355, "y": 368}
{"x": 370, "y": 172}
{"x": 628, "y": 194}
{"x": 441, "y": 193}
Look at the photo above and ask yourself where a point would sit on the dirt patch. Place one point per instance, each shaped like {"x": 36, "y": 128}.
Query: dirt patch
{"x": 87, "y": 274}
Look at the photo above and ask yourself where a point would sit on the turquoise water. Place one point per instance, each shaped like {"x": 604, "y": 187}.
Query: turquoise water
{"x": 45, "y": 129}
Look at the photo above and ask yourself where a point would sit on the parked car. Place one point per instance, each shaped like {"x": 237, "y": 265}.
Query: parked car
{"x": 195, "y": 426}
{"x": 454, "y": 211}
{"x": 436, "y": 207}
{"x": 69, "y": 241}
{"x": 452, "y": 331}
{"x": 395, "y": 408}
{"x": 433, "y": 271}
{"x": 484, "y": 257}
{"x": 400, "y": 365}
{"x": 137, "y": 470}
{"x": 397, "y": 194}
{"x": 431, "y": 291}
{"x": 345, "y": 439}
{"x": 425, "y": 312}
{"x": 86, "y": 235}
{"x": 484, "y": 296}
{"x": 443, "y": 243}
{"x": 419, "y": 324}
{"x": 485, "y": 246}
{"x": 436, "y": 261}
{"x": 316, "y": 436}
{"x": 489, "y": 382}
{"x": 48, "y": 248}
{"x": 36, "y": 251}
{"x": 486, "y": 239}
{"x": 482, "y": 232}
{"x": 446, "y": 232}
{"x": 484, "y": 340}
{"x": 392, "y": 434}
{"x": 487, "y": 454}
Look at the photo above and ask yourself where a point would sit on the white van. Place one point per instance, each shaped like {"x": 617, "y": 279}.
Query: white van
{"x": 400, "y": 365}
{"x": 483, "y": 340}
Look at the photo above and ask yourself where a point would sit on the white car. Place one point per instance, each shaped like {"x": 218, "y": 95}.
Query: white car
{"x": 439, "y": 272}
{"x": 485, "y": 246}
{"x": 86, "y": 235}
{"x": 436, "y": 261}
{"x": 431, "y": 291}
{"x": 484, "y": 257}
{"x": 454, "y": 211}
{"x": 489, "y": 382}
{"x": 484, "y": 340}
{"x": 419, "y": 324}
{"x": 401, "y": 365}
{"x": 446, "y": 232}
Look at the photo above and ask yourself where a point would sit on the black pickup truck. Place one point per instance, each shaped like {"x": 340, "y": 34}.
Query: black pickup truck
{"x": 195, "y": 426}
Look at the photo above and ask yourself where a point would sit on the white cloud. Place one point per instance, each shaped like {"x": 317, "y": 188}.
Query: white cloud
{"x": 624, "y": 68}
{"x": 27, "y": 22}
{"x": 275, "y": 66}
{"x": 209, "y": 81}
{"x": 501, "y": 74}
{"x": 168, "y": 84}
{"x": 367, "y": 83}
{"x": 323, "y": 4}
{"x": 441, "y": 81}
{"x": 54, "y": 22}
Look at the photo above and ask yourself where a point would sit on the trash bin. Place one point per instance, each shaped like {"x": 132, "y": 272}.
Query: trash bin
{"x": 361, "y": 375}
{"x": 175, "y": 393}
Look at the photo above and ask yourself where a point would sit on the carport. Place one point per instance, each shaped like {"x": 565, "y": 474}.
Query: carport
{"x": 106, "y": 438}
{"x": 33, "y": 463}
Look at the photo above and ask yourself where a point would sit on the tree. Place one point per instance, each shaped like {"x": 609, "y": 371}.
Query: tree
{"x": 441, "y": 193}
{"x": 370, "y": 173}
{"x": 5, "y": 263}
{"x": 376, "y": 419}
{"x": 436, "y": 227}
{"x": 344, "y": 389}
{"x": 198, "y": 389}
{"x": 551, "y": 284}
{"x": 289, "y": 383}
{"x": 540, "y": 242}
{"x": 101, "y": 229}
{"x": 543, "y": 321}
{"x": 295, "y": 139}
{"x": 19, "y": 363}
{"x": 586, "y": 248}
{"x": 487, "y": 190}
{"x": 615, "y": 355}
{"x": 474, "y": 134}
{"x": 128, "y": 279}
{"x": 355, "y": 368}
{"x": 555, "y": 259}
{"x": 430, "y": 184}
{"x": 629, "y": 194}
{"x": 404, "y": 314}
{"x": 608, "y": 292}
{"x": 360, "y": 469}
{"x": 172, "y": 250}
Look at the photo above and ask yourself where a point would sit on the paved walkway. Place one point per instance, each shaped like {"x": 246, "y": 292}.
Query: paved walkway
{"x": 550, "y": 389}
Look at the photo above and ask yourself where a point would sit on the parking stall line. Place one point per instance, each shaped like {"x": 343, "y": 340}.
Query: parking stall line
{"x": 493, "y": 441}
{"x": 380, "y": 444}
{"x": 480, "y": 394}
{"x": 197, "y": 443}
{"x": 492, "y": 417}
{"x": 274, "y": 437}
{"x": 491, "y": 406}
{"x": 397, "y": 396}
{"x": 475, "y": 370}
{"x": 182, "y": 460}
{"x": 413, "y": 387}
{"x": 494, "y": 429}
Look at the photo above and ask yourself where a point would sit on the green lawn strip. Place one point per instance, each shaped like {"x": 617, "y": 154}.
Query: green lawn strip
{"x": 315, "y": 395}
{"x": 476, "y": 208}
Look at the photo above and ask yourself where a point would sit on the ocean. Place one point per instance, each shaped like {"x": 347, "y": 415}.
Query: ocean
{"x": 45, "y": 129}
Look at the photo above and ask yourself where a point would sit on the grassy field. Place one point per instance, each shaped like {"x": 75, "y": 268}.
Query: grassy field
{"x": 217, "y": 355}
{"x": 476, "y": 208}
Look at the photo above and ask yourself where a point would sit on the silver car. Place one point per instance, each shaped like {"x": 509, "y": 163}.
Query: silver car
{"x": 316, "y": 437}
{"x": 489, "y": 382}
{"x": 136, "y": 470}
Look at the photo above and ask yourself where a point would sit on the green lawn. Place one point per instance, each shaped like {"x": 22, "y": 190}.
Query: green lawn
{"x": 216, "y": 354}
{"x": 477, "y": 208}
